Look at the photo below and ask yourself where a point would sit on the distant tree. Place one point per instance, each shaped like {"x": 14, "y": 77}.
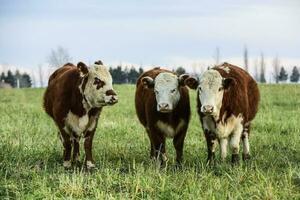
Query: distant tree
{"x": 295, "y": 75}
{"x": 276, "y": 68}
{"x": 180, "y": 70}
{"x": 246, "y": 58}
{"x": 33, "y": 80}
{"x": 118, "y": 75}
{"x": 262, "y": 69}
{"x": 283, "y": 76}
{"x": 2, "y": 77}
{"x": 256, "y": 73}
{"x": 41, "y": 75}
{"x": 25, "y": 81}
{"x": 10, "y": 78}
{"x": 141, "y": 71}
{"x": 132, "y": 75}
{"x": 58, "y": 57}
{"x": 18, "y": 78}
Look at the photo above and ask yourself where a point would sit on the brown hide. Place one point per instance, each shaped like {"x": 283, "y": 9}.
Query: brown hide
{"x": 146, "y": 109}
{"x": 241, "y": 97}
{"x": 62, "y": 94}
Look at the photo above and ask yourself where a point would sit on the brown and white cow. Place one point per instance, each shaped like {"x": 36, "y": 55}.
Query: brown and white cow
{"x": 74, "y": 99}
{"x": 163, "y": 107}
{"x": 227, "y": 101}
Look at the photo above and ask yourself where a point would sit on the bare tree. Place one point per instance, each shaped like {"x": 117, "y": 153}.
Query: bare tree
{"x": 246, "y": 58}
{"x": 256, "y": 75}
{"x": 41, "y": 75}
{"x": 262, "y": 69}
{"x": 33, "y": 80}
{"x": 276, "y": 69}
{"x": 58, "y": 57}
{"x": 217, "y": 56}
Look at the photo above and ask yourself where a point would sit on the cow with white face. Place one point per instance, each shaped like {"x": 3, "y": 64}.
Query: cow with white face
{"x": 163, "y": 108}
{"x": 98, "y": 90}
{"x": 166, "y": 90}
{"x": 227, "y": 101}
{"x": 74, "y": 99}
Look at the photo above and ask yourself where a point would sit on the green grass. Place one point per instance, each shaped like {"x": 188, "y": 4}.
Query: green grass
{"x": 31, "y": 154}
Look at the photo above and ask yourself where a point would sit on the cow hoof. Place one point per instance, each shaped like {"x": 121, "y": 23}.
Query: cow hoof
{"x": 246, "y": 157}
{"x": 67, "y": 164}
{"x": 235, "y": 159}
{"x": 90, "y": 165}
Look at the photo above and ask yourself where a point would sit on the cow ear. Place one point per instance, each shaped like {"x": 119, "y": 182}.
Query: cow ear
{"x": 182, "y": 78}
{"x": 147, "y": 82}
{"x": 191, "y": 82}
{"x": 99, "y": 62}
{"x": 83, "y": 69}
{"x": 228, "y": 82}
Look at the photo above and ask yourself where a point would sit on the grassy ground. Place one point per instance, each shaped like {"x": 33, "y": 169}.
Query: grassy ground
{"x": 31, "y": 154}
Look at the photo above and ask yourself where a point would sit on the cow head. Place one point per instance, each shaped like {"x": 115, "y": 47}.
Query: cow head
{"x": 96, "y": 85}
{"x": 211, "y": 87}
{"x": 166, "y": 88}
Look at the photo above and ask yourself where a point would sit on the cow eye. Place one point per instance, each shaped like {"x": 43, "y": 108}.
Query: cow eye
{"x": 98, "y": 82}
{"x": 199, "y": 89}
{"x": 156, "y": 92}
{"x": 220, "y": 89}
{"x": 172, "y": 91}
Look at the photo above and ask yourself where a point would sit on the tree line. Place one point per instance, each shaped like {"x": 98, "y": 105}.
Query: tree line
{"x": 16, "y": 80}
{"x": 121, "y": 75}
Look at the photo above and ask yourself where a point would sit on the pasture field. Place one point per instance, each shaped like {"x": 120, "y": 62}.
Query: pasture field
{"x": 31, "y": 154}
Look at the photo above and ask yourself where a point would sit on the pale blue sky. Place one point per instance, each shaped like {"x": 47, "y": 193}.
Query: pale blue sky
{"x": 157, "y": 32}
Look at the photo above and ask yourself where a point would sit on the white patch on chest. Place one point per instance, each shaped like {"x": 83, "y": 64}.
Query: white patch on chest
{"x": 75, "y": 123}
{"x": 223, "y": 129}
{"x": 92, "y": 123}
{"x": 168, "y": 130}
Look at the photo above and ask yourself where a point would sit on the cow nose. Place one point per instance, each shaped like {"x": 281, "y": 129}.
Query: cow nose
{"x": 163, "y": 106}
{"x": 112, "y": 97}
{"x": 208, "y": 109}
{"x": 110, "y": 92}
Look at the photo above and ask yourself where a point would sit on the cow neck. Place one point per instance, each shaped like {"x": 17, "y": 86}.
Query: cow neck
{"x": 81, "y": 105}
{"x": 86, "y": 104}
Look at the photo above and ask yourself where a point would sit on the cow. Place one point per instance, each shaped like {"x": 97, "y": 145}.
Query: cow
{"x": 163, "y": 108}
{"x": 74, "y": 99}
{"x": 227, "y": 102}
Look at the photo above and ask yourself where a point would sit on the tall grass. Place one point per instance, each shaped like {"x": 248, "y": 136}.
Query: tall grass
{"x": 31, "y": 154}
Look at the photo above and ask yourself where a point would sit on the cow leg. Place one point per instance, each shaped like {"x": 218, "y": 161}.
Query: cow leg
{"x": 178, "y": 142}
{"x": 235, "y": 143}
{"x": 76, "y": 153}
{"x": 223, "y": 148}
{"x": 211, "y": 142}
{"x": 245, "y": 139}
{"x": 88, "y": 142}
{"x": 67, "y": 143}
{"x": 158, "y": 144}
{"x": 152, "y": 151}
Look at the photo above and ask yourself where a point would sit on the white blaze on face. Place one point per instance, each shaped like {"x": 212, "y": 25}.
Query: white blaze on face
{"x": 166, "y": 91}
{"x": 211, "y": 92}
{"x": 98, "y": 90}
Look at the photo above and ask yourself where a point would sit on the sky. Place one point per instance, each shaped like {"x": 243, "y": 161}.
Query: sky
{"x": 167, "y": 33}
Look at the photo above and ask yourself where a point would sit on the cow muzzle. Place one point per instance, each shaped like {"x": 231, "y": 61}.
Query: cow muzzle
{"x": 111, "y": 97}
{"x": 207, "y": 109}
{"x": 164, "y": 108}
